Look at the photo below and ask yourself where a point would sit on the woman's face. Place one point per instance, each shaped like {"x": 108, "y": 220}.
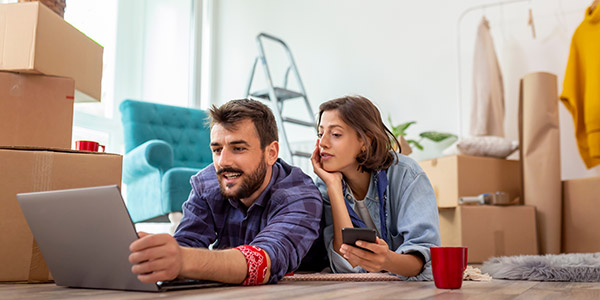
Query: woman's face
{"x": 339, "y": 144}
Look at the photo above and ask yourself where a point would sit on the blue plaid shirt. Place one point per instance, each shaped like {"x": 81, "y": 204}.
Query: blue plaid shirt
{"x": 283, "y": 221}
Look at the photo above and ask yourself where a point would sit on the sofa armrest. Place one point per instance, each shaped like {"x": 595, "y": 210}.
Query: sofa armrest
{"x": 151, "y": 156}
{"x": 176, "y": 187}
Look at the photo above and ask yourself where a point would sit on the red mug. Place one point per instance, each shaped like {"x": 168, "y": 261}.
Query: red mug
{"x": 448, "y": 265}
{"x": 89, "y": 146}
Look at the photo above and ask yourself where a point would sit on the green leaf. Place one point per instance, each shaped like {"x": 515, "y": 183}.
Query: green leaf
{"x": 405, "y": 126}
{"x": 416, "y": 144}
{"x": 436, "y": 136}
{"x": 399, "y": 130}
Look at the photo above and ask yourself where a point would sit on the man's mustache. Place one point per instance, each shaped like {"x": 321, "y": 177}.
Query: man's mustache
{"x": 232, "y": 170}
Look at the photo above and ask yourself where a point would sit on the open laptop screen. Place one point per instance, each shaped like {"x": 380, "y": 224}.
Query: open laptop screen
{"x": 84, "y": 235}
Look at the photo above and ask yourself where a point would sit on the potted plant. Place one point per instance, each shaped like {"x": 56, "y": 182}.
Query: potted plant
{"x": 434, "y": 137}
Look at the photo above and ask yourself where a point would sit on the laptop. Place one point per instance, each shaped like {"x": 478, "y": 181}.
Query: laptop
{"x": 84, "y": 235}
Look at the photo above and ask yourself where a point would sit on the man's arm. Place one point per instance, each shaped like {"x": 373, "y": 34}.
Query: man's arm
{"x": 227, "y": 266}
{"x": 159, "y": 257}
{"x": 290, "y": 232}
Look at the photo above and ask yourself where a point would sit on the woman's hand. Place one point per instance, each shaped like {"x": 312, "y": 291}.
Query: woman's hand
{"x": 330, "y": 178}
{"x": 372, "y": 262}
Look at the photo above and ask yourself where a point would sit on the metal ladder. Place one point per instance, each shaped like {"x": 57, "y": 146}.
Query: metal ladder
{"x": 279, "y": 95}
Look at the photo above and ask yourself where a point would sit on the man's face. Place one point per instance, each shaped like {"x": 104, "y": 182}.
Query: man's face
{"x": 239, "y": 160}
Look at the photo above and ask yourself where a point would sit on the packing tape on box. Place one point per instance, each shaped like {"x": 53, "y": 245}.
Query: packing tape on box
{"x": 17, "y": 86}
{"x": 38, "y": 270}
{"x": 499, "y": 247}
{"x": 42, "y": 169}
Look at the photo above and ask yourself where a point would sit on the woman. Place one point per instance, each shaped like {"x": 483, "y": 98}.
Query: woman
{"x": 362, "y": 182}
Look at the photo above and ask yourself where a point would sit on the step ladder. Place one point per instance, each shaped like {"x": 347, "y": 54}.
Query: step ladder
{"x": 278, "y": 96}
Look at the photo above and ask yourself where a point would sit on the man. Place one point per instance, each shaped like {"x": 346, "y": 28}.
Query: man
{"x": 247, "y": 199}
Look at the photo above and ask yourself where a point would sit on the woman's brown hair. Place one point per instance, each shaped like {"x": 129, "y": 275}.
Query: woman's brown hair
{"x": 364, "y": 117}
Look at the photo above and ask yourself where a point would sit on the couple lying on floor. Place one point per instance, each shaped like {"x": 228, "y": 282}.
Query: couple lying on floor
{"x": 262, "y": 216}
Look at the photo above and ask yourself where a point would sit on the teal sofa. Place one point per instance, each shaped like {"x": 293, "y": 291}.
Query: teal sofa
{"x": 164, "y": 146}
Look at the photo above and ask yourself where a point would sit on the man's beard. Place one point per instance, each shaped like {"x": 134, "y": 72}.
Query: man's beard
{"x": 248, "y": 185}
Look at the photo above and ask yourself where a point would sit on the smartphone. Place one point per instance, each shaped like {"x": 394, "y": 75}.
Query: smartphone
{"x": 351, "y": 235}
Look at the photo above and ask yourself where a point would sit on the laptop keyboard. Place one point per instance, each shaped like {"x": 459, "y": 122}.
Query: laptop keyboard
{"x": 177, "y": 283}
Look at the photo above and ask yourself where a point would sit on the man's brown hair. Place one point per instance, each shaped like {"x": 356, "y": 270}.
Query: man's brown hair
{"x": 363, "y": 116}
{"x": 235, "y": 111}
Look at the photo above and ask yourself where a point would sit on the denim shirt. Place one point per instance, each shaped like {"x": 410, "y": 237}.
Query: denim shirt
{"x": 411, "y": 219}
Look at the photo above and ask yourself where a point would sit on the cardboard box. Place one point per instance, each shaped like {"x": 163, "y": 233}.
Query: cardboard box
{"x": 32, "y": 170}
{"x": 36, "y": 110}
{"x": 34, "y": 39}
{"x": 581, "y": 212}
{"x": 489, "y": 231}
{"x": 456, "y": 176}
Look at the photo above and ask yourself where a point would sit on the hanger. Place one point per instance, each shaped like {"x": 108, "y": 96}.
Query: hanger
{"x": 484, "y": 18}
{"x": 530, "y": 21}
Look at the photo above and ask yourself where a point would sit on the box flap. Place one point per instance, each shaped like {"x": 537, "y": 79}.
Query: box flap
{"x": 62, "y": 49}
{"x": 21, "y": 36}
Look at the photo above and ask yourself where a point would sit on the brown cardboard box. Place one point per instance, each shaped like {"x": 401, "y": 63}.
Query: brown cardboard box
{"x": 34, "y": 39}
{"x": 32, "y": 170}
{"x": 36, "y": 110}
{"x": 457, "y": 176}
{"x": 489, "y": 231}
{"x": 581, "y": 212}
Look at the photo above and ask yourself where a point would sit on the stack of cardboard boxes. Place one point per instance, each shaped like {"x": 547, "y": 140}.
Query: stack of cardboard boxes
{"x": 44, "y": 61}
{"x": 485, "y": 230}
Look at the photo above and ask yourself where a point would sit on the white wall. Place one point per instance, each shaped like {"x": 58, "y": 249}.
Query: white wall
{"x": 153, "y": 51}
{"x": 400, "y": 54}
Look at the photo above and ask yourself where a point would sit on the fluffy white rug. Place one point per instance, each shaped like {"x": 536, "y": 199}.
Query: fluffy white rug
{"x": 581, "y": 267}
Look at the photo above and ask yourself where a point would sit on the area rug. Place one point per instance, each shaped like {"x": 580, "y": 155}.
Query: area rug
{"x": 580, "y": 267}
{"x": 343, "y": 277}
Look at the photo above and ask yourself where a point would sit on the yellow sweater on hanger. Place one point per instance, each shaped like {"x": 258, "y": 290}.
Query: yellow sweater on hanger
{"x": 581, "y": 87}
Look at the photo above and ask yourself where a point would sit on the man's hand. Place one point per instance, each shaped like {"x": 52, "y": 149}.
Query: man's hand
{"x": 372, "y": 262}
{"x": 155, "y": 257}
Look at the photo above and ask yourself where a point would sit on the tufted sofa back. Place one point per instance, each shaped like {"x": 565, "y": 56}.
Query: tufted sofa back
{"x": 185, "y": 129}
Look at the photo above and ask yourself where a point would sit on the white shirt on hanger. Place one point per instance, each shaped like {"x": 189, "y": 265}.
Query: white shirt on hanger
{"x": 487, "y": 107}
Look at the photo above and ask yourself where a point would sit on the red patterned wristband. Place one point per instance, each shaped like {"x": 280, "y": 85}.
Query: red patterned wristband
{"x": 256, "y": 259}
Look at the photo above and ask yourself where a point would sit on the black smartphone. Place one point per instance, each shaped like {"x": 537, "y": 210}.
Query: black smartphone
{"x": 351, "y": 235}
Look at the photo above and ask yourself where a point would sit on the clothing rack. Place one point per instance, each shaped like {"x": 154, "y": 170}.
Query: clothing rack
{"x": 459, "y": 63}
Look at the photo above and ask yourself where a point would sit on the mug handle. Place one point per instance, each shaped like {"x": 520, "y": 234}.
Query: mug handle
{"x": 104, "y": 150}
{"x": 466, "y": 253}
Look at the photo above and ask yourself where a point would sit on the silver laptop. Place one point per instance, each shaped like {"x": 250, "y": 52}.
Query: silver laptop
{"x": 84, "y": 235}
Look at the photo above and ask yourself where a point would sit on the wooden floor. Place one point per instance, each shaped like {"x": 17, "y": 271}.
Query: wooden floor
{"x": 496, "y": 289}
